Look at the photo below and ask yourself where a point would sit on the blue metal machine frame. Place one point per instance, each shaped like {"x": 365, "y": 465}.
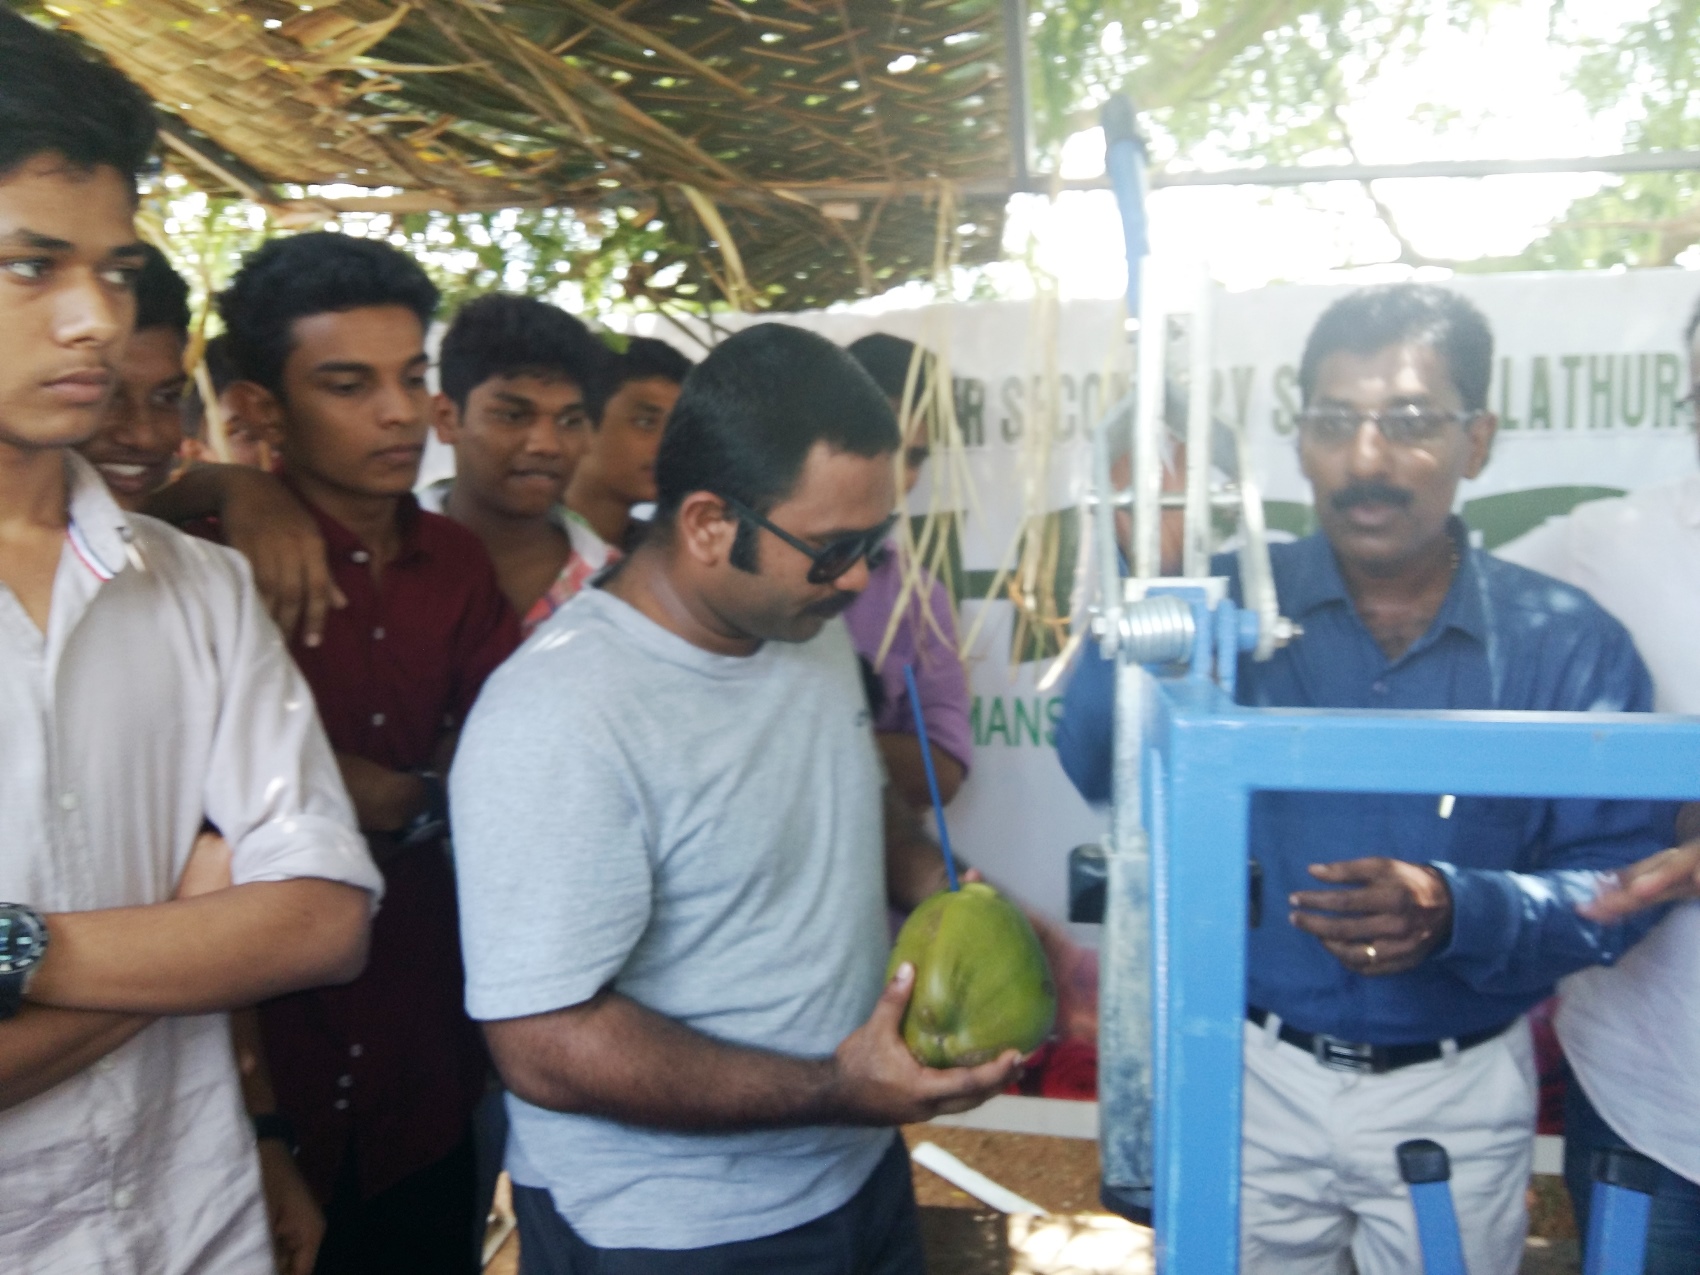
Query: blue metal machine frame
{"x": 1200, "y": 759}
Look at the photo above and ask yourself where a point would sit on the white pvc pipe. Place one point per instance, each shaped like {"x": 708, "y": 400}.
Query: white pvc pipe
{"x": 929, "y": 1155}
{"x": 1147, "y": 439}
{"x": 1199, "y": 431}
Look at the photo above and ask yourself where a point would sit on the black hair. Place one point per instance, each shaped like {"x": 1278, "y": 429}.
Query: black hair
{"x": 220, "y": 371}
{"x": 643, "y": 359}
{"x": 55, "y": 100}
{"x": 303, "y": 275}
{"x": 887, "y": 360}
{"x": 1371, "y": 319}
{"x": 751, "y": 412}
{"x": 162, "y": 296}
{"x": 503, "y": 335}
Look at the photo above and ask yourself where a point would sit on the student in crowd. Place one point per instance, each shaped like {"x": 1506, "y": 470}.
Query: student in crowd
{"x": 515, "y": 376}
{"x": 618, "y": 472}
{"x": 674, "y": 867}
{"x": 142, "y": 695}
{"x": 1403, "y": 938}
{"x": 1631, "y": 1034}
{"x": 379, "y": 1078}
{"x": 135, "y": 453}
{"x": 140, "y": 443}
{"x": 925, "y": 634}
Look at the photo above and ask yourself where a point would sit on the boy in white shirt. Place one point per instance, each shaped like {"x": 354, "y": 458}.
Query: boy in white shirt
{"x": 143, "y": 693}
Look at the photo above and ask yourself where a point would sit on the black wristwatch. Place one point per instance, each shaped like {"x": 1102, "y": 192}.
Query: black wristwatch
{"x": 432, "y": 822}
{"x": 23, "y": 942}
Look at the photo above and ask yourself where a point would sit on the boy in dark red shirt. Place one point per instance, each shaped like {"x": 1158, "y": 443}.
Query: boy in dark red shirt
{"x": 379, "y": 1078}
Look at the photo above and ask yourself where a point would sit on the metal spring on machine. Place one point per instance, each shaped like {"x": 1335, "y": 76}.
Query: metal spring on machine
{"x": 1157, "y": 630}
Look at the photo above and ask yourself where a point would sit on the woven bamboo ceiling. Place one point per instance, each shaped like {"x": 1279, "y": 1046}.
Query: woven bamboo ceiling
{"x": 818, "y": 135}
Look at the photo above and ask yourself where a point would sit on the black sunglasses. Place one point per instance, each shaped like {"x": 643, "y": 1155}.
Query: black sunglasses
{"x": 835, "y": 557}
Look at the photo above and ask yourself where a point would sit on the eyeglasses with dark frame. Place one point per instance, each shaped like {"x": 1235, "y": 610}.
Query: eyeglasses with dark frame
{"x": 1403, "y": 426}
{"x": 832, "y": 559}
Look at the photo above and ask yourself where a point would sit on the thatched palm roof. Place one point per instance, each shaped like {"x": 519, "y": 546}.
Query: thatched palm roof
{"x": 820, "y": 131}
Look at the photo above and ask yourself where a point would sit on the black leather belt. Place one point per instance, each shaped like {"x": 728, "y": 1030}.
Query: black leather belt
{"x": 1347, "y": 1055}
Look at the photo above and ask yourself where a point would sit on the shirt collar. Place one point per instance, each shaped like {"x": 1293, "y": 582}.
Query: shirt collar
{"x": 1314, "y": 581}
{"x": 341, "y": 543}
{"x": 99, "y": 531}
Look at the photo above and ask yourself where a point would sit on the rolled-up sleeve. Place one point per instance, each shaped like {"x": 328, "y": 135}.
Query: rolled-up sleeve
{"x": 272, "y": 785}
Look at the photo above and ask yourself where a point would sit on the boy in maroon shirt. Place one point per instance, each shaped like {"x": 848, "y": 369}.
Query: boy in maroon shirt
{"x": 379, "y": 1078}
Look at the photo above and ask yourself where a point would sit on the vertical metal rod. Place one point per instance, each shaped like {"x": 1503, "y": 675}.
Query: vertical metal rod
{"x": 1125, "y": 990}
{"x": 1198, "y": 822}
{"x": 1619, "y": 1210}
{"x": 1148, "y": 428}
{"x": 1199, "y": 430}
{"x": 1427, "y": 1170}
{"x": 1437, "y": 1229}
{"x": 1015, "y": 87}
{"x": 1104, "y": 530}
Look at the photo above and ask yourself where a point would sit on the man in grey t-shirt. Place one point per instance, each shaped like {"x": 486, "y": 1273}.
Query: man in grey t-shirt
{"x": 675, "y": 852}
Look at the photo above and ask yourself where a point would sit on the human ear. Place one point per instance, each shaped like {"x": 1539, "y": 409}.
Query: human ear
{"x": 445, "y": 419}
{"x": 1480, "y": 431}
{"x": 705, "y": 528}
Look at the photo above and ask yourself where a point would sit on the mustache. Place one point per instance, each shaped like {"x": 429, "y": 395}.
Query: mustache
{"x": 1369, "y": 494}
{"x": 826, "y": 608}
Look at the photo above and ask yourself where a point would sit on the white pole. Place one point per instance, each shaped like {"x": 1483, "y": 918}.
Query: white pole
{"x": 1199, "y": 430}
{"x": 1147, "y": 438}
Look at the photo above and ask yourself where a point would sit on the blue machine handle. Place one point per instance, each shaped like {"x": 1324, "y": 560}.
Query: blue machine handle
{"x": 1624, "y": 1183}
{"x": 1425, "y": 1167}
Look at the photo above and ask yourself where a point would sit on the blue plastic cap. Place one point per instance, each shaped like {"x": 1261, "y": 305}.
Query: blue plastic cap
{"x": 1423, "y": 1161}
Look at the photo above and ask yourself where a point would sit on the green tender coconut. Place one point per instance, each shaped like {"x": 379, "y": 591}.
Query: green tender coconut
{"x": 982, "y": 984}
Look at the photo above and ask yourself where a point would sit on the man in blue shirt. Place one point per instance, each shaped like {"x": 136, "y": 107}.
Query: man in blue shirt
{"x": 1404, "y": 936}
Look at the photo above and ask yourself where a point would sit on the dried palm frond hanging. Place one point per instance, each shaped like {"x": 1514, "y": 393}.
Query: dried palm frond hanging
{"x": 817, "y": 129}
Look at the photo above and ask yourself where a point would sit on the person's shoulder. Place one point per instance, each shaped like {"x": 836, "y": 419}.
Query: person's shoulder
{"x": 193, "y": 556}
{"x": 441, "y": 534}
{"x": 574, "y": 651}
{"x": 1540, "y": 603}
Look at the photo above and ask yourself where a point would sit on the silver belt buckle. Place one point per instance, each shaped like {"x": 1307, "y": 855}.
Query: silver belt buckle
{"x": 1342, "y": 1055}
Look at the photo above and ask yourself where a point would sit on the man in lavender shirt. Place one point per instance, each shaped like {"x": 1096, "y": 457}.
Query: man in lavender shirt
{"x": 926, "y": 632}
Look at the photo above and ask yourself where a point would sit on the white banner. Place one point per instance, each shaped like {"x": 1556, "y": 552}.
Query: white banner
{"x": 1587, "y": 373}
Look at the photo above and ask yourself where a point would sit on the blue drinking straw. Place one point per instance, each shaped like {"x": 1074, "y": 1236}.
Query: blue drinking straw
{"x": 932, "y": 778}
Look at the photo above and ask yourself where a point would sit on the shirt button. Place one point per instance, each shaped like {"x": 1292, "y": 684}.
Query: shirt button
{"x": 1379, "y": 687}
{"x": 105, "y": 1064}
{"x": 377, "y": 719}
{"x": 378, "y": 634}
{"x": 354, "y": 1051}
{"x": 360, "y": 556}
{"x": 341, "y": 1104}
{"x": 345, "y": 1082}
{"x": 67, "y": 801}
{"x": 123, "y": 1198}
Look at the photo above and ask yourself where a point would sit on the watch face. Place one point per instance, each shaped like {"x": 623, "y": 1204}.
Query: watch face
{"x": 22, "y": 938}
